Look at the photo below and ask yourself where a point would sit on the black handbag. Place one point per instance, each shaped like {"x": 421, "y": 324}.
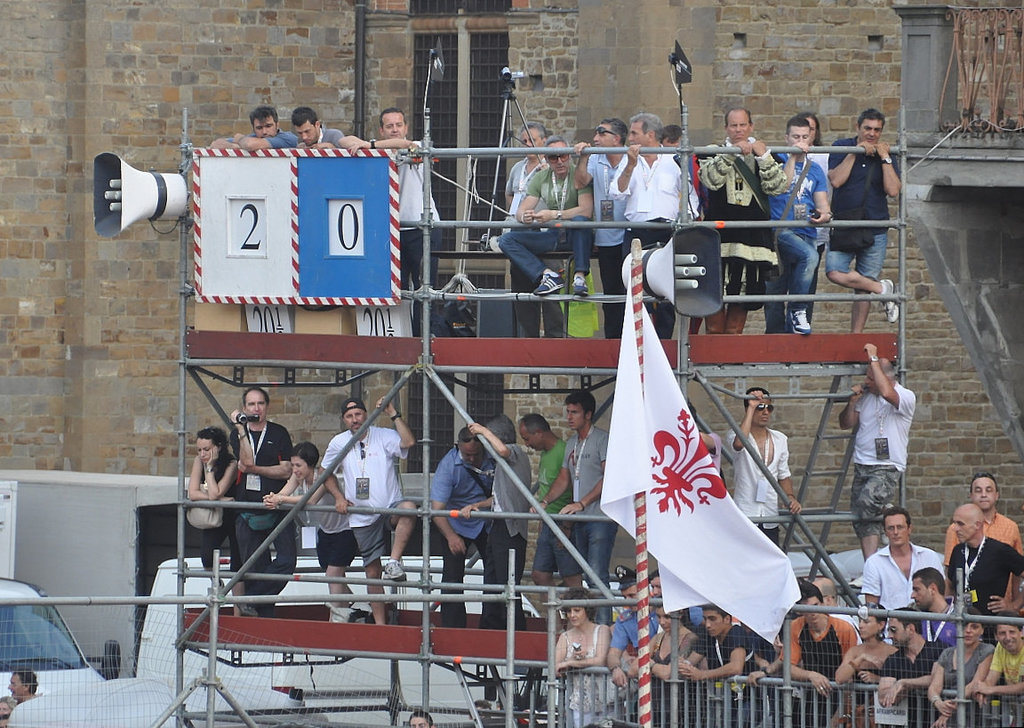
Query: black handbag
{"x": 852, "y": 240}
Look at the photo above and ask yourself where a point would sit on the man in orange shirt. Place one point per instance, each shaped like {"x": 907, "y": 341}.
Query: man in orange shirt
{"x": 984, "y": 493}
{"x": 819, "y": 643}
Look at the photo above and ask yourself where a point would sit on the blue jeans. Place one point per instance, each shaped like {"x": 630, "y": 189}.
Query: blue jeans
{"x": 595, "y": 540}
{"x": 283, "y": 563}
{"x": 524, "y": 246}
{"x": 798, "y": 254}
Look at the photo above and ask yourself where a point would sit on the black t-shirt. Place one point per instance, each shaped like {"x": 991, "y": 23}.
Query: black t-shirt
{"x": 718, "y": 654}
{"x": 989, "y": 570}
{"x": 274, "y": 447}
{"x": 899, "y": 666}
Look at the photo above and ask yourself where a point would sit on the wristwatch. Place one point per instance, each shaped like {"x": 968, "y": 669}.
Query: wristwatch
{"x": 373, "y": 144}
{"x": 874, "y": 358}
{"x": 559, "y": 215}
{"x": 887, "y": 160}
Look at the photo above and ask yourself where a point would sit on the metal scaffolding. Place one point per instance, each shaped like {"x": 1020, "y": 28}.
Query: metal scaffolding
{"x": 203, "y": 358}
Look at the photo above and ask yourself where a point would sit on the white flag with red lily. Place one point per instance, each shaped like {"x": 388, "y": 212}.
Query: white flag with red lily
{"x": 708, "y": 552}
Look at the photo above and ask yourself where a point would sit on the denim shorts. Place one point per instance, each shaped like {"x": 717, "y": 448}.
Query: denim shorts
{"x": 869, "y": 261}
{"x": 551, "y": 555}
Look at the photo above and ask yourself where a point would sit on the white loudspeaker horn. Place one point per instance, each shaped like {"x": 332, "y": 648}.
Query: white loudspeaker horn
{"x": 660, "y": 272}
{"x": 123, "y": 195}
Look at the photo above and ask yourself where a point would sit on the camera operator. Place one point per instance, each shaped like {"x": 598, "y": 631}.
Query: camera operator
{"x": 263, "y": 450}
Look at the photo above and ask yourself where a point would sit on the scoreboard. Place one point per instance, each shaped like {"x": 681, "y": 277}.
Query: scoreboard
{"x": 296, "y": 227}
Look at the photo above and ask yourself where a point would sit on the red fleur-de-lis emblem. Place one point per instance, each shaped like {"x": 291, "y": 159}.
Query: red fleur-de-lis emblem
{"x": 682, "y": 464}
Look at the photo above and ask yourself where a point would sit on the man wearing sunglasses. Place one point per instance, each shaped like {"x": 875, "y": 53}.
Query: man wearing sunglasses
{"x": 599, "y": 170}
{"x": 552, "y": 197}
{"x": 752, "y": 490}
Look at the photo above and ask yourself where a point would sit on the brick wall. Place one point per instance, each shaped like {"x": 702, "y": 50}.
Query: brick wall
{"x": 88, "y": 379}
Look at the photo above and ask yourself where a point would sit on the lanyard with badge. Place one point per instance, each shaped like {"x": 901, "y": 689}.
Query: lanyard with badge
{"x": 969, "y": 569}
{"x": 363, "y": 481}
{"x": 252, "y": 480}
{"x": 577, "y": 456}
{"x": 882, "y": 442}
{"x": 645, "y": 201}
{"x": 607, "y": 203}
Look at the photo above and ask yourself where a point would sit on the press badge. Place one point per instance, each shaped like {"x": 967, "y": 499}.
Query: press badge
{"x": 882, "y": 448}
{"x": 972, "y": 595}
{"x": 762, "y": 490}
{"x": 252, "y": 481}
{"x": 309, "y": 537}
{"x": 362, "y": 488}
{"x": 607, "y": 210}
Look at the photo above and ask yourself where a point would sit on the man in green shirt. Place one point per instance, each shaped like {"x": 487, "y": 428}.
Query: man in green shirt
{"x": 550, "y": 554}
{"x": 556, "y": 188}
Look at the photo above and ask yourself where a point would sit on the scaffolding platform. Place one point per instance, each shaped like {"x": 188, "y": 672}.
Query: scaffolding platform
{"x": 517, "y": 353}
{"x": 307, "y": 629}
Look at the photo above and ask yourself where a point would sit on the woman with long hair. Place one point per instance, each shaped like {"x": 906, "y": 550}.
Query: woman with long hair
{"x": 214, "y": 471}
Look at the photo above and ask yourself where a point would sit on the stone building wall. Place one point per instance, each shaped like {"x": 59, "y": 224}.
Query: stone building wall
{"x": 88, "y": 379}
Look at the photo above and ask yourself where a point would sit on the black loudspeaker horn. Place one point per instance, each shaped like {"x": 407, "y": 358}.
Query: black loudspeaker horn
{"x": 122, "y": 195}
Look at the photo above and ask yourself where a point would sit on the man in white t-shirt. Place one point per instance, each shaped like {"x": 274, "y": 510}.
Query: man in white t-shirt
{"x": 880, "y": 411}
{"x": 370, "y": 481}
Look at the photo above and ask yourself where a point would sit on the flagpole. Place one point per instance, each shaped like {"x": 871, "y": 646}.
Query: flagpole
{"x": 643, "y": 607}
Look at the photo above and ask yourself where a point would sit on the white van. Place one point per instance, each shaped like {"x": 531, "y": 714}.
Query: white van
{"x": 378, "y": 690}
{"x": 36, "y": 638}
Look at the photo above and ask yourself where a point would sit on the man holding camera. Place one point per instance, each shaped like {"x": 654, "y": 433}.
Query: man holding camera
{"x": 264, "y": 451}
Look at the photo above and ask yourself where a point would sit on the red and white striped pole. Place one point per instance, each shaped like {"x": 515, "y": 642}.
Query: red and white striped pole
{"x": 643, "y": 612}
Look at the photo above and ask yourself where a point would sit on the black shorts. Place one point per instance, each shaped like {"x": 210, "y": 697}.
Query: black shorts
{"x": 336, "y": 549}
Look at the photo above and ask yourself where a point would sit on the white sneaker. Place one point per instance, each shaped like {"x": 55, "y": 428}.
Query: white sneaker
{"x": 394, "y": 571}
{"x": 892, "y": 308}
{"x": 799, "y": 321}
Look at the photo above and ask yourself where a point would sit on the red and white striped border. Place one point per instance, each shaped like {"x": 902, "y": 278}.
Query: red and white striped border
{"x": 395, "y": 247}
{"x": 197, "y": 223}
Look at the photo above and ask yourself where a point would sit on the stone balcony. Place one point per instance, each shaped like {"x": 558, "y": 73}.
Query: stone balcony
{"x": 962, "y": 81}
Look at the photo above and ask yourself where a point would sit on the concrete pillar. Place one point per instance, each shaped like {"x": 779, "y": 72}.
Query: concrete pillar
{"x": 927, "y": 47}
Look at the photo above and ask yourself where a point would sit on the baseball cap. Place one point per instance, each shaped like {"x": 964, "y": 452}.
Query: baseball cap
{"x": 353, "y": 403}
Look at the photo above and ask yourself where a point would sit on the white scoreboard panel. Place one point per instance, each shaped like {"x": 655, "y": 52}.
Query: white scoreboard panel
{"x": 308, "y": 227}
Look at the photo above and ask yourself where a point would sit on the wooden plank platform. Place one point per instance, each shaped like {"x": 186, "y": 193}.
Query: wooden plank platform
{"x": 403, "y": 638}
{"x": 515, "y": 353}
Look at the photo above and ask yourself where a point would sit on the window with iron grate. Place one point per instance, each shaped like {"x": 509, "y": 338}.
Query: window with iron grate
{"x": 453, "y": 7}
{"x": 488, "y": 55}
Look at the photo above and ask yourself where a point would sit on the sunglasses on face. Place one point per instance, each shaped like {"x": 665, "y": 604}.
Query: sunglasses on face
{"x": 602, "y": 130}
{"x": 557, "y": 157}
{"x": 762, "y": 406}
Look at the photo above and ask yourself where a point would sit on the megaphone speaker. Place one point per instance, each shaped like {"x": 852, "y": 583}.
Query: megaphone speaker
{"x": 123, "y": 195}
{"x": 687, "y": 271}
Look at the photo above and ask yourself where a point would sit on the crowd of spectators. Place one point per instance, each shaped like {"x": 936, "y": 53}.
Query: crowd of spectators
{"x": 746, "y": 182}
